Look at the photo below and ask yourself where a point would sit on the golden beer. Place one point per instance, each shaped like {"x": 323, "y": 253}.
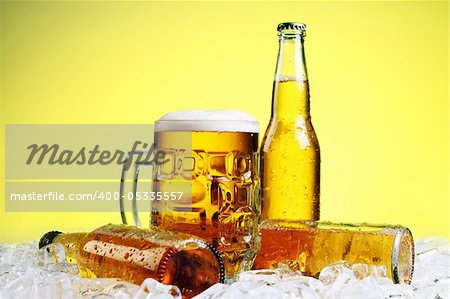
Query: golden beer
{"x": 311, "y": 246}
{"x": 221, "y": 167}
{"x": 290, "y": 149}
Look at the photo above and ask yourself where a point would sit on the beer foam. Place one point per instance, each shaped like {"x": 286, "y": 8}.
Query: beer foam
{"x": 207, "y": 120}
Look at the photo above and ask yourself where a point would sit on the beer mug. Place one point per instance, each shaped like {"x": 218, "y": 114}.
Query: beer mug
{"x": 219, "y": 162}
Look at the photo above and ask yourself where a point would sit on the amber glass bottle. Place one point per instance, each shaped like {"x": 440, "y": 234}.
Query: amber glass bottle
{"x": 134, "y": 254}
{"x": 311, "y": 246}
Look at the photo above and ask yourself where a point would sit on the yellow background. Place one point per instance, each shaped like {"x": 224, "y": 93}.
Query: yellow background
{"x": 378, "y": 73}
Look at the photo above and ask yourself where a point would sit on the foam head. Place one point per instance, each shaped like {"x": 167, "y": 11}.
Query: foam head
{"x": 207, "y": 120}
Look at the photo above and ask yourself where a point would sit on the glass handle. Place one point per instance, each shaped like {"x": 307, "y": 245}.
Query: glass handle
{"x": 137, "y": 166}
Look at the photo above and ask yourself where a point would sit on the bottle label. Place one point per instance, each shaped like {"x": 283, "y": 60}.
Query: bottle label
{"x": 148, "y": 258}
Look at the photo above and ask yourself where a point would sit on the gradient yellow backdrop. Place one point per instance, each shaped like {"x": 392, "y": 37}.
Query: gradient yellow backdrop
{"x": 378, "y": 73}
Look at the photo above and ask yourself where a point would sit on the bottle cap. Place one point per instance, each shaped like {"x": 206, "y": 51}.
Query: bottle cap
{"x": 291, "y": 26}
{"x": 48, "y": 238}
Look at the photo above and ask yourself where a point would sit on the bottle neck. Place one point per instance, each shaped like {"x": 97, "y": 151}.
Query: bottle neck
{"x": 70, "y": 242}
{"x": 291, "y": 59}
{"x": 290, "y": 90}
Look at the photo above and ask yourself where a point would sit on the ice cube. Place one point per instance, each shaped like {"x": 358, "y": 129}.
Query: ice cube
{"x": 18, "y": 255}
{"x": 233, "y": 292}
{"x": 64, "y": 286}
{"x": 379, "y": 271}
{"x": 213, "y": 292}
{"x": 51, "y": 254}
{"x": 443, "y": 288}
{"x": 269, "y": 276}
{"x": 265, "y": 276}
{"x": 401, "y": 291}
{"x": 14, "y": 253}
{"x": 290, "y": 287}
{"x": 313, "y": 283}
{"x": 244, "y": 286}
{"x": 121, "y": 290}
{"x": 309, "y": 293}
{"x": 265, "y": 291}
{"x": 152, "y": 287}
{"x": 360, "y": 270}
{"x": 86, "y": 287}
{"x": 332, "y": 272}
{"x": 424, "y": 245}
{"x": 444, "y": 249}
{"x": 428, "y": 292}
{"x": 431, "y": 265}
{"x": 361, "y": 289}
{"x": 297, "y": 289}
{"x": 380, "y": 280}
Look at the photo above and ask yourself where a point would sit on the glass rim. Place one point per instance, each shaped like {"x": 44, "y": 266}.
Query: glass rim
{"x": 207, "y": 121}
{"x": 236, "y": 126}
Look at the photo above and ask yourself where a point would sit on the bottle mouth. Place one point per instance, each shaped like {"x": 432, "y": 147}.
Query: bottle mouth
{"x": 403, "y": 256}
{"x": 193, "y": 270}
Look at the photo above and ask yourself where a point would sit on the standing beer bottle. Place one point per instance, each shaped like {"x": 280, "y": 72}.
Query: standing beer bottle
{"x": 290, "y": 149}
{"x": 133, "y": 254}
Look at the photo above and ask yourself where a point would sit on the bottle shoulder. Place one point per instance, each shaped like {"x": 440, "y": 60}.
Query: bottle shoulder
{"x": 283, "y": 135}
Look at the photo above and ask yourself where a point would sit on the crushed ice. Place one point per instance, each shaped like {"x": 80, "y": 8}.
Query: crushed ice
{"x": 431, "y": 280}
{"x": 26, "y": 272}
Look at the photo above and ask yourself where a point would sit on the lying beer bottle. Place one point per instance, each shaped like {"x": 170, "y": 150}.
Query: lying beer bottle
{"x": 311, "y": 246}
{"x": 133, "y": 254}
{"x": 290, "y": 150}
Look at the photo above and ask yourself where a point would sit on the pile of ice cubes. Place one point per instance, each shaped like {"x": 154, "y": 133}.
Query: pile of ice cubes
{"x": 26, "y": 272}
